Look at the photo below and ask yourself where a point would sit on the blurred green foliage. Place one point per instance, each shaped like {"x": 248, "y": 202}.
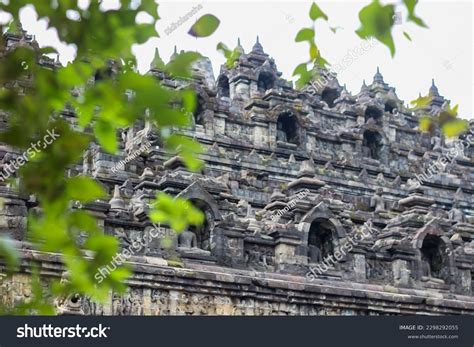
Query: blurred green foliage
{"x": 204, "y": 26}
{"x": 103, "y": 39}
{"x": 376, "y": 21}
{"x": 446, "y": 120}
{"x": 231, "y": 55}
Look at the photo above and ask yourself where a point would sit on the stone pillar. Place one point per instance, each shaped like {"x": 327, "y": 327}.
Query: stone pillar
{"x": 401, "y": 273}
{"x": 260, "y": 135}
{"x": 229, "y": 249}
{"x": 13, "y": 214}
{"x": 287, "y": 258}
{"x": 98, "y": 209}
{"x": 240, "y": 88}
{"x": 465, "y": 285}
{"x": 359, "y": 265}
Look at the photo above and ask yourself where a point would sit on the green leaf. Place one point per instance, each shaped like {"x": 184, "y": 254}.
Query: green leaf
{"x": 83, "y": 221}
{"x": 377, "y": 21}
{"x": 151, "y": 7}
{"x": 316, "y": 56}
{"x": 455, "y": 127}
{"x": 189, "y": 100}
{"x": 84, "y": 189}
{"x": 177, "y": 212}
{"x": 305, "y": 34}
{"x": 305, "y": 75}
{"x": 157, "y": 62}
{"x": 231, "y": 55}
{"x": 335, "y": 29}
{"x": 421, "y": 102}
{"x": 205, "y": 26}
{"x": 187, "y": 149}
{"x": 313, "y": 51}
{"x": 106, "y": 134}
{"x": 9, "y": 253}
{"x": 410, "y": 5}
{"x": 407, "y": 35}
{"x": 300, "y": 69}
{"x": 315, "y": 12}
{"x": 426, "y": 124}
{"x": 448, "y": 114}
{"x": 180, "y": 66}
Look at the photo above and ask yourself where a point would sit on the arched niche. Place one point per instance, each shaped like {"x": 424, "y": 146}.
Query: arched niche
{"x": 203, "y": 232}
{"x": 373, "y": 114}
{"x": 321, "y": 232}
{"x": 198, "y": 114}
{"x": 432, "y": 251}
{"x": 202, "y": 200}
{"x": 435, "y": 251}
{"x": 322, "y": 240}
{"x": 266, "y": 81}
{"x": 322, "y": 212}
{"x": 223, "y": 87}
{"x": 372, "y": 144}
{"x": 287, "y": 128}
{"x": 329, "y": 95}
{"x": 106, "y": 72}
{"x": 390, "y": 106}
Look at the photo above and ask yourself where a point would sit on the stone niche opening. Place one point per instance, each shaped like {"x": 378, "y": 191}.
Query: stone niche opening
{"x": 198, "y": 113}
{"x": 433, "y": 263}
{"x": 390, "y": 106}
{"x": 266, "y": 81}
{"x": 329, "y": 95}
{"x": 287, "y": 128}
{"x": 320, "y": 240}
{"x": 372, "y": 144}
{"x": 197, "y": 237}
{"x": 373, "y": 113}
{"x": 223, "y": 89}
{"x": 103, "y": 74}
{"x": 203, "y": 235}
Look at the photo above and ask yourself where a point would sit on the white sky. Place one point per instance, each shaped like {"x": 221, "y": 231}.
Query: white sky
{"x": 443, "y": 52}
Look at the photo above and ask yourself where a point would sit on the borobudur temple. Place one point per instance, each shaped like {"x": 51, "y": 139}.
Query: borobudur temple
{"x": 316, "y": 202}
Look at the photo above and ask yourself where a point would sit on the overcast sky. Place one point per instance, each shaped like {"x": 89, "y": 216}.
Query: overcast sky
{"x": 443, "y": 52}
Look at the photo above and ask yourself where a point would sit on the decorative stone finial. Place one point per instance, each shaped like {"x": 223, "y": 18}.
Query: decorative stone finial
{"x": 157, "y": 62}
{"x": 175, "y": 53}
{"x": 433, "y": 89}
{"x": 378, "y": 78}
{"x": 257, "y": 47}
{"x": 239, "y": 47}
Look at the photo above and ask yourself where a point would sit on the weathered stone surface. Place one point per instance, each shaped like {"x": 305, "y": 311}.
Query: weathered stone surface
{"x": 310, "y": 198}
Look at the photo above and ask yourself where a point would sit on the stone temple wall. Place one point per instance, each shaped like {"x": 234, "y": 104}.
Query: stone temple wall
{"x": 312, "y": 201}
